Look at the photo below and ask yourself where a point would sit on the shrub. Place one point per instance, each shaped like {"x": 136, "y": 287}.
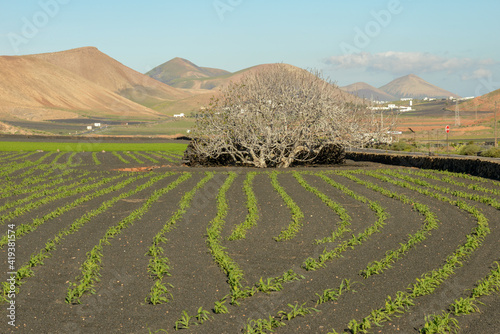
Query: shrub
{"x": 402, "y": 146}
{"x": 469, "y": 149}
{"x": 493, "y": 152}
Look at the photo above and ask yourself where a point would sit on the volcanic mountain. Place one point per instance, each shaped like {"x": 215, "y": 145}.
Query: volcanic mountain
{"x": 203, "y": 96}
{"x": 411, "y": 86}
{"x": 367, "y": 91}
{"x": 99, "y": 68}
{"x": 483, "y": 103}
{"x": 87, "y": 82}
{"x": 182, "y": 73}
{"x": 34, "y": 89}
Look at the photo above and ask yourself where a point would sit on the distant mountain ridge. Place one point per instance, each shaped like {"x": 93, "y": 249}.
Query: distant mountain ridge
{"x": 86, "y": 82}
{"x": 364, "y": 90}
{"x": 181, "y": 73}
{"x": 412, "y": 86}
{"x": 203, "y": 96}
{"x": 408, "y": 86}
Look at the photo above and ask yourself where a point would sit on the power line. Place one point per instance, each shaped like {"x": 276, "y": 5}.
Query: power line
{"x": 457, "y": 114}
{"x": 495, "y": 113}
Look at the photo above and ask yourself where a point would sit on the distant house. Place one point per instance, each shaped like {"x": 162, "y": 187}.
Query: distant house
{"x": 97, "y": 125}
{"x": 179, "y": 115}
{"x": 89, "y": 127}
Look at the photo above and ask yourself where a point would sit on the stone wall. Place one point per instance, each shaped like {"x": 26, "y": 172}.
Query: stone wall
{"x": 473, "y": 166}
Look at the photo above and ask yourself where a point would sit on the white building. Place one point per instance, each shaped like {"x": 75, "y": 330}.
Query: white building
{"x": 179, "y": 115}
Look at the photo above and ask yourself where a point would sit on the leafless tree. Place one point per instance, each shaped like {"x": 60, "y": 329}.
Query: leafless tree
{"x": 281, "y": 115}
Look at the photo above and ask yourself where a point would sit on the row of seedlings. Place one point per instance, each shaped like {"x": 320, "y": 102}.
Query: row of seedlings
{"x": 275, "y": 284}
{"x": 447, "y": 321}
{"x": 328, "y": 255}
{"x": 429, "y": 281}
{"x": 450, "y": 180}
{"x": 37, "y": 259}
{"x": 159, "y": 264}
{"x": 241, "y": 230}
{"x": 399, "y": 302}
{"x": 431, "y": 223}
{"x": 264, "y": 325}
{"x": 297, "y": 215}
{"x": 214, "y": 243}
{"x": 92, "y": 265}
{"x": 29, "y": 184}
{"x": 270, "y": 324}
{"x": 345, "y": 218}
{"x": 27, "y": 228}
{"x": 46, "y": 194}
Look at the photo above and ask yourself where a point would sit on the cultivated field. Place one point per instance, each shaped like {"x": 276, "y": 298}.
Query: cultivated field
{"x": 359, "y": 248}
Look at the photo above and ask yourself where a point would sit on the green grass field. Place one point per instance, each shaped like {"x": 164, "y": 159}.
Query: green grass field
{"x": 91, "y": 147}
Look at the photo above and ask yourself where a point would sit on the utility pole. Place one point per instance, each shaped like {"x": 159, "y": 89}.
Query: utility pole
{"x": 457, "y": 115}
{"x": 429, "y": 140}
{"x": 495, "y": 112}
{"x": 447, "y": 142}
{"x": 381, "y": 120}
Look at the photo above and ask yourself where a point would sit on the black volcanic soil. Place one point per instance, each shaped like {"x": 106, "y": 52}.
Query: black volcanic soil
{"x": 119, "y": 306}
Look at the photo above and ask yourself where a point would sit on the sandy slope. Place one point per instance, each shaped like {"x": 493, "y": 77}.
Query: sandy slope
{"x": 34, "y": 84}
{"x": 95, "y": 66}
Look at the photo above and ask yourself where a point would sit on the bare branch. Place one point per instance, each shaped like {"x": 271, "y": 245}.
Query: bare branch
{"x": 281, "y": 115}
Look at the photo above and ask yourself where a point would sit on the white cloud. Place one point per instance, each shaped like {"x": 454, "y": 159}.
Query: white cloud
{"x": 477, "y": 74}
{"x": 400, "y": 63}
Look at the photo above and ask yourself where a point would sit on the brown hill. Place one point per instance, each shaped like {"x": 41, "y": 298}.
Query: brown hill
{"x": 411, "y": 86}
{"x": 235, "y": 77}
{"x": 367, "y": 91}
{"x": 483, "y": 103}
{"x": 95, "y": 66}
{"x": 200, "y": 83}
{"x": 31, "y": 88}
{"x": 180, "y": 73}
{"x": 201, "y": 97}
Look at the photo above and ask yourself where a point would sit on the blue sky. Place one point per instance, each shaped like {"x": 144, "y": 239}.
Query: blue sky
{"x": 452, "y": 44}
